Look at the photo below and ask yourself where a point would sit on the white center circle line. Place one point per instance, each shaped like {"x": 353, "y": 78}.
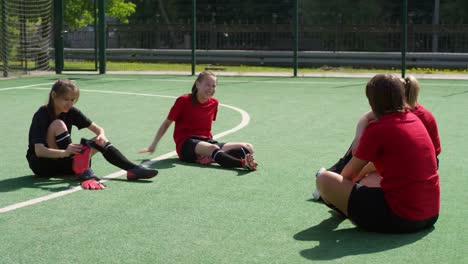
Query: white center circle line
{"x": 244, "y": 122}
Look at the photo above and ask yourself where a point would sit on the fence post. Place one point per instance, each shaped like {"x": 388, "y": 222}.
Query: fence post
{"x": 102, "y": 36}
{"x": 404, "y": 40}
{"x": 5, "y": 49}
{"x": 58, "y": 36}
{"x": 435, "y": 26}
{"x": 296, "y": 35}
{"x": 194, "y": 35}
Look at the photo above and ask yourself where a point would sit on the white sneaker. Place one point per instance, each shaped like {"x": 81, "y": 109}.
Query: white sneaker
{"x": 316, "y": 195}
{"x": 317, "y": 174}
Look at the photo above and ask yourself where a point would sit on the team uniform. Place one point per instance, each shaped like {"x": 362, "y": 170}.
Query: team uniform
{"x": 431, "y": 125}
{"x": 38, "y": 135}
{"x": 192, "y": 124}
{"x": 402, "y": 151}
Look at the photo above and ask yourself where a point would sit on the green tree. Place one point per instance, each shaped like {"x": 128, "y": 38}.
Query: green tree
{"x": 80, "y": 13}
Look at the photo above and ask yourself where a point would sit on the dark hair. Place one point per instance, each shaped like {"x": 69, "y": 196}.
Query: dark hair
{"x": 201, "y": 77}
{"x": 411, "y": 90}
{"x": 61, "y": 88}
{"x": 385, "y": 93}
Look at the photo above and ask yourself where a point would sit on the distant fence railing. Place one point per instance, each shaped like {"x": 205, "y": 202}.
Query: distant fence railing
{"x": 339, "y": 37}
{"x": 335, "y": 37}
{"x": 280, "y": 58}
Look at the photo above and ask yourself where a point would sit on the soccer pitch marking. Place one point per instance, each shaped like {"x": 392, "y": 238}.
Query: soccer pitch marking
{"x": 244, "y": 122}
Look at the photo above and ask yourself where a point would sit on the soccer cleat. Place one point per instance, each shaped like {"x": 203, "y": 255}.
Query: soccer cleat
{"x": 141, "y": 172}
{"x": 86, "y": 175}
{"x": 249, "y": 163}
{"x": 81, "y": 160}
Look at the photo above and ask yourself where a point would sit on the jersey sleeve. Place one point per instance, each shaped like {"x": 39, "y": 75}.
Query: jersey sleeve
{"x": 176, "y": 110}
{"x": 39, "y": 126}
{"x": 80, "y": 120}
{"x": 368, "y": 147}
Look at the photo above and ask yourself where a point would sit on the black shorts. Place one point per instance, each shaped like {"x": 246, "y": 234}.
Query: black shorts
{"x": 51, "y": 167}
{"x": 187, "y": 151}
{"x": 368, "y": 209}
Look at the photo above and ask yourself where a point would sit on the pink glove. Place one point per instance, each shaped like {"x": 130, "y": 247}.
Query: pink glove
{"x": 92, "y": 184}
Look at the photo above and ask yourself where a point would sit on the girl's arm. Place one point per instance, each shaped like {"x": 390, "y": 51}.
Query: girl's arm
{"x": 366, "y": 170}
{"x": 100, "y": 138}
{"x": 352, "y": 170}
{"x": 363, "y": 122}
{"x": 44, "y": 152}
{"x": 161, "y": 131}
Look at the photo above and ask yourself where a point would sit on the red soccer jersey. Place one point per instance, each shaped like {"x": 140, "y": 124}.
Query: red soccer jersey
{"x": 192, "y": 119}
{"x": 431, "y": 125}
{"x": 400, "y": 147}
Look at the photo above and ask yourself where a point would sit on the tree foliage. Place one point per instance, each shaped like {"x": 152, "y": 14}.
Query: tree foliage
{"x": 80, "y": 13}
{"x": 311, "y": 11}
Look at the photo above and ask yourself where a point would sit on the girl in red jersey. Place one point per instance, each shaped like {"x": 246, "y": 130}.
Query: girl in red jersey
{"x": 193, "y": 115}
{"x": 401, "y": 150}
{"x": 51, "y": 151}
{"x": 411, "y": 97}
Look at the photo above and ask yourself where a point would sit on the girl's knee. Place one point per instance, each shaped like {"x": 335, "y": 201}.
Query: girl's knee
{"x": 328, "y": 180}
{"x": 249, "y": 147}
{"x": 58, "y": 126}
{"x": 213, "y": 147}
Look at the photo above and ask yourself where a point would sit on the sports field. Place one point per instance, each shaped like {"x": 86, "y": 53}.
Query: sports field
{"x": 205, "y": 214}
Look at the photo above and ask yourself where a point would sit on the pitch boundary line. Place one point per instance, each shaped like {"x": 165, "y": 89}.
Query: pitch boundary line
{"x": 244, "y": 122}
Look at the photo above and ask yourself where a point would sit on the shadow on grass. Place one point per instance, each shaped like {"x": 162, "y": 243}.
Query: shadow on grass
{"x": 334, "y": 244}
{"x": 173, "y": 162}
{"x": 55, "y": 184}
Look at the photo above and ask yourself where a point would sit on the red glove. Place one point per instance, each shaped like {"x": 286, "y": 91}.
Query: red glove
{"x": 92, "y": 184}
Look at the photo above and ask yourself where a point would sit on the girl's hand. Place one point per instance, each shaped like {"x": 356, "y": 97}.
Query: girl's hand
{"x": 72, "y": 149}
{"x": 101, "y": 139}
{"x": 149, "y": 149}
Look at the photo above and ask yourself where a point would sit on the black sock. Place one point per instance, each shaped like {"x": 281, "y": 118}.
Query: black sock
{"x": 238, "y": 153}
{"x": 113, "y": 156}
{"x": 226, "y": 160}
{"x": 63, "y": 140}
{"x": 339, "y": 166}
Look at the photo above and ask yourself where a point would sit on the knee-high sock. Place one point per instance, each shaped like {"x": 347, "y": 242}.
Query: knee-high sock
{"x": 225, "y": 160}
{"x": 238, "y": 153}
{"x": 114, "y": 156}
{"x": 63, "y": 140}
{"x": 339, "y": 166}
{"x": 348, "y": 155}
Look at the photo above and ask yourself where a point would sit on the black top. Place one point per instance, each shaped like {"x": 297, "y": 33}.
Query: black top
{"x": 42, "y": 120}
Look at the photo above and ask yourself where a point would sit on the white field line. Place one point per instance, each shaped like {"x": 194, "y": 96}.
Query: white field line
{"x": 244, "y": 122}
{"x": 25, "y": 86}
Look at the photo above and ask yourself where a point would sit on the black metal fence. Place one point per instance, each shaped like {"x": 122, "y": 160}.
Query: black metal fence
{"x": 339, "y": 37}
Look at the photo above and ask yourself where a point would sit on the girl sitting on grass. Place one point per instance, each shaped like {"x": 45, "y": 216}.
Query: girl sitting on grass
{"x": 400, "y": 148}
{"x": 193, "y": 115}
{"x": 51, "y": 151}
